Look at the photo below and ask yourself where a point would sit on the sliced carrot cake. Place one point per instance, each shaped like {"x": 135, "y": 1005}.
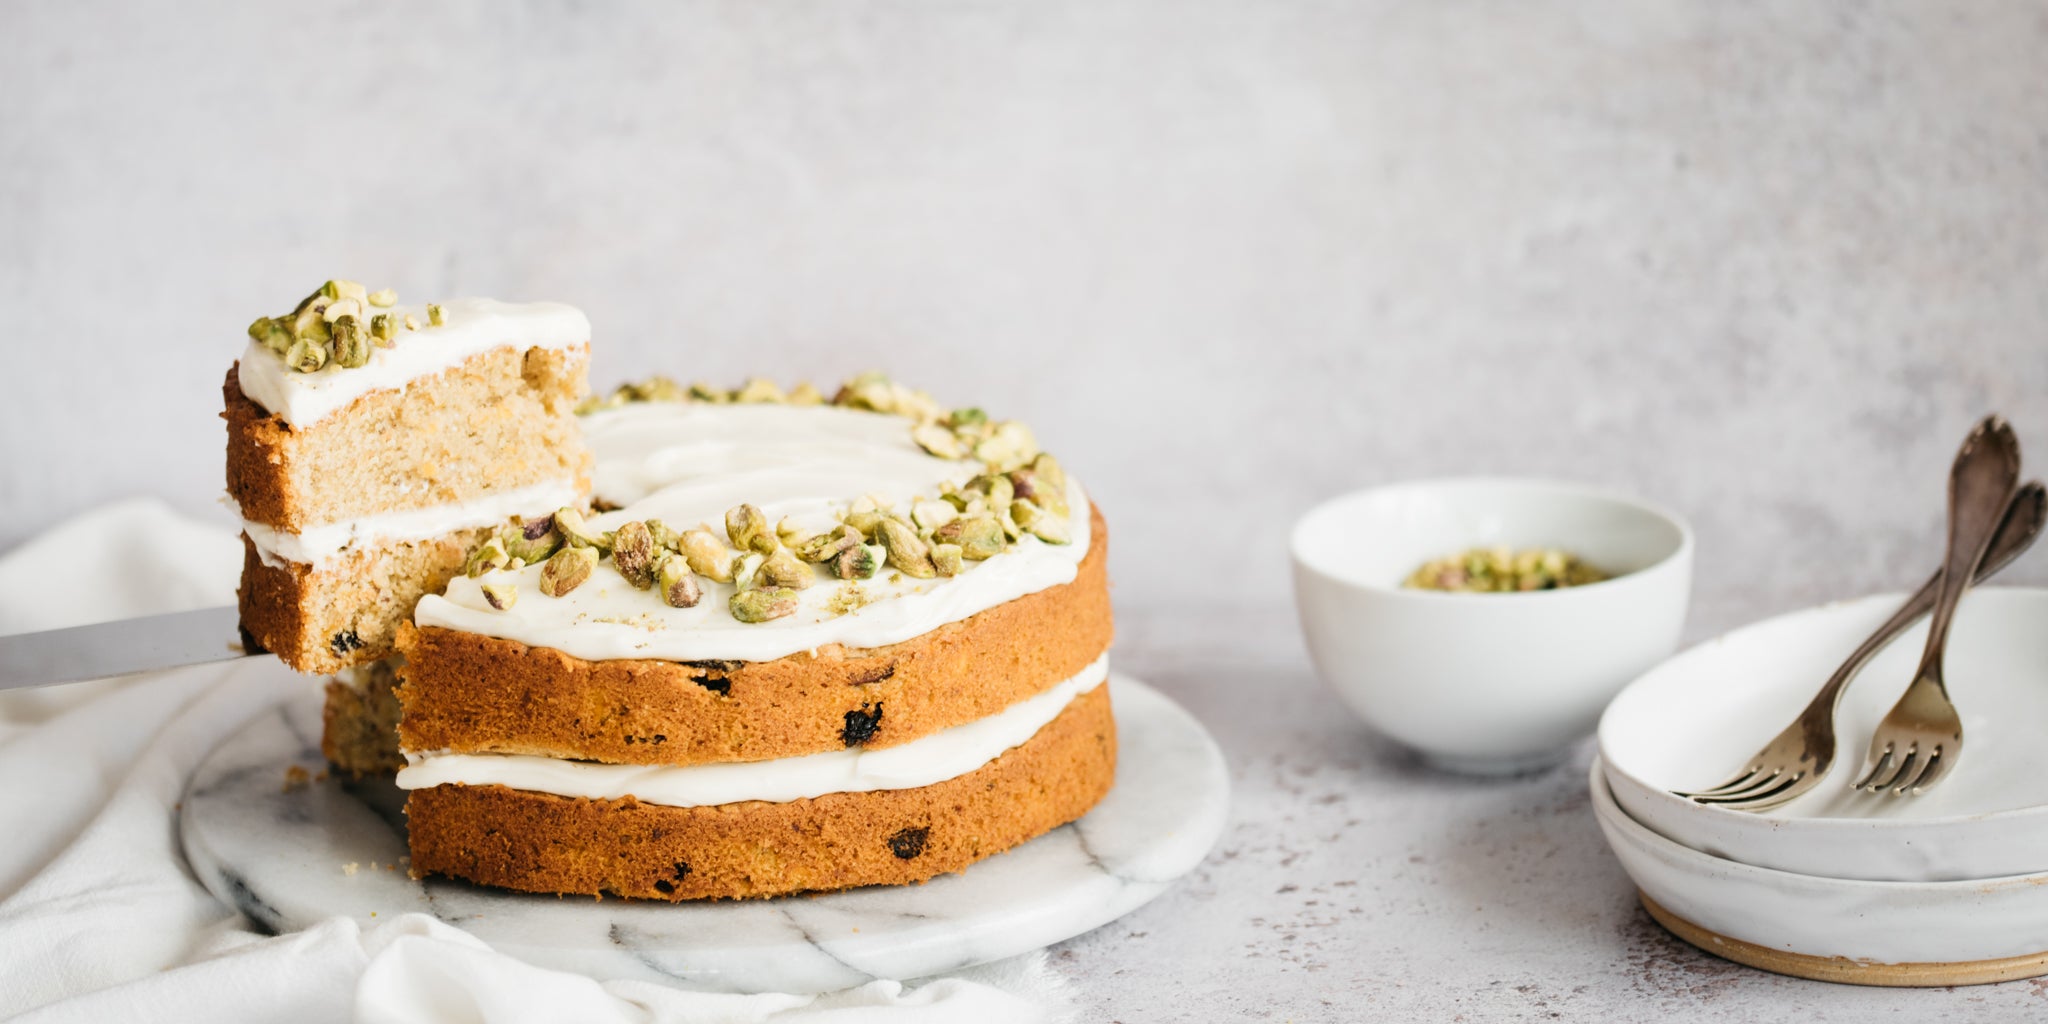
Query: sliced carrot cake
{"x": 811, "y": 646}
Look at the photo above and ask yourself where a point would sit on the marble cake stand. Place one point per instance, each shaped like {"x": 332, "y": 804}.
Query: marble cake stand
{"x": 290, "y": 858}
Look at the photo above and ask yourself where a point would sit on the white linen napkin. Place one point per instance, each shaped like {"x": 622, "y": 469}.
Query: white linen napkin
{"x": 101, "y": 920}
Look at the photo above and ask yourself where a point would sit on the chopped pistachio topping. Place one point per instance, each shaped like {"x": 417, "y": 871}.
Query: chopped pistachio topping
{"x": 633, "y": 554}
{"x": 805, "y": 394}
{"x": 747, "y": 526}
{"x": 859, "y": 562}
{"x": 763, "y": 605}
{"x": 759, "y": 390}
{"x": 707, "y": 556}
{"x": 501, "y": 595}
{"x": 783, "y": 570}
{"x": 907, "y": 553}
{"x": 826, "y": 546}
{"x": 382, "y": 330}
{"x": 847, "y": 599}
{"x": 412, "y": 323}
{"x": 947, "y": 559}
{"x": 491, "y": 554}
{"x": 678, "y": 586}
{"x": 350, "y": 342}
{"x": 383, "y": 298}
{"x": 306, "y": 355}
{"x": 1499, "y": 570}
{"x": 436, "y": 315}
{"x": 567, "y": 570}
{"x": 532, "y": 540}
{"x": 578, "y": 532}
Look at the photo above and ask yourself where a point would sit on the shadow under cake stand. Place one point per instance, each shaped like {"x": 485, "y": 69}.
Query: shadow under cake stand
{"x": 288, "y": 859}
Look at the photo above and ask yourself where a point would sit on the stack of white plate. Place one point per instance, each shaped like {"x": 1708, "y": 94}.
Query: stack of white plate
{"x": 1945, "y": 888}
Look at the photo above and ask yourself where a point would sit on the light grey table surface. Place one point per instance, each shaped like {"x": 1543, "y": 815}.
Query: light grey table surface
{"x": 1354, "y": 884}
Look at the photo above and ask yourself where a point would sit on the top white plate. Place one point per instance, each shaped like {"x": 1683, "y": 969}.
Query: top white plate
{"x": 1688, "y": 723}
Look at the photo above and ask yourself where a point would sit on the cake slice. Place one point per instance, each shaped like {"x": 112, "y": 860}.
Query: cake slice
{"x": 373, "y": 446}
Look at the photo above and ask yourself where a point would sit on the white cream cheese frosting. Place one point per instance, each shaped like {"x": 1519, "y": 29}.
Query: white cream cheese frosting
{"x": 924, "y": 761}
{"x": 321, "y": 546}
{"x": 687, "y": 463}
{"x": 470, "y": 326}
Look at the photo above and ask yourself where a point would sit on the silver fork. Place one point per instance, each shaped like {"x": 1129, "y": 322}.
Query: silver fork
{"x": 1918, "y": 742}
{"x": 1799, "y": 757}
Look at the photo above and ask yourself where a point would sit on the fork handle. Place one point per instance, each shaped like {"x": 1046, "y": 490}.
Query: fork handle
{"x": 1980, "y": 488}
{"x": 2024, "y": 516}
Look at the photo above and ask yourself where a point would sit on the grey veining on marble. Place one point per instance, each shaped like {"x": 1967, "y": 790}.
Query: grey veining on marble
{"x": 289, "y": 857}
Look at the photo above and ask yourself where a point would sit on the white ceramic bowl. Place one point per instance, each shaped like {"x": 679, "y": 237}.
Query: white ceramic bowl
{"x": 1872, "y": 922}
{"x": 1688, "y": 723}
{"x": 1486, "y": 682}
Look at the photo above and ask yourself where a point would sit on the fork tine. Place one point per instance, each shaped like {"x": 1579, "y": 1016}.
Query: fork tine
{"x": 1737, "y": 781}
{"x": 1784, "y": 796}
{"x": 1762, "y": 782}
{"x": 1908, "y": 768}
{"x": 1876, "y": 766}
{"x": 1771, "y": 791}
{"x": 1936, "y": 767}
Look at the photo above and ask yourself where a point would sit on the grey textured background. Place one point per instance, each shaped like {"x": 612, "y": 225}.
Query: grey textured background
{"x": 1764, "y": 263}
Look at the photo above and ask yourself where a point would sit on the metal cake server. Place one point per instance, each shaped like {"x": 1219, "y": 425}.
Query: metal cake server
{"x": 120, "y": 647}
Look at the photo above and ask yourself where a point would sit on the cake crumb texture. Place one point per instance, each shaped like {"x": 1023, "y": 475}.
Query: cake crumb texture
{"x": 501, "y": 420}
{"x": 349, "y": 612}
{"x": 538, "y": 842}
{"x": 359, "y": 733}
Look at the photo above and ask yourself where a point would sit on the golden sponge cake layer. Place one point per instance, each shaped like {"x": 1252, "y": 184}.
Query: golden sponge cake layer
{"x": 538, "y": 842}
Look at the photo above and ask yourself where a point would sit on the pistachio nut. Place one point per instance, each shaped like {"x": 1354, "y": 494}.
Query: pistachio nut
{"x": 578, "y": 532}
{"x": 758, "y": 390}
{"x": 412, "y": 323}
{"x": 665, "y": 538}
{"x": 351, "y": 343}
{"x": 980, "y": 537}
{"x": 869, "y": 391}
{"x": 708, "y": 557}
{"x": 1050, "y": 472}
{"x": 1029, "y": 486}
{"x": 702, "y": 392}
{"x": 762, "y": 605}
{"x": 383, "y": 298}
{"x": 633, "y": 553}
{"x": 906, "y": 552}
{"x": 343, "y": 307}
{"x": 865, "y": 523}
{"x": 678, "y": 586}
{"x": 567, "y": 570}
{"x": 747, "y": 527}
{"x": 1039, "y": 523}
{"x": 532, "y": 540}
{"x": 938, "y": 440}
{"x": 382, "y": 330}
{"x": 343, "y": 289}
{"x": 994, "y": 488}
{"x": 1007, "y": 447}
{"x": 805, "y": 394}
{"x": 859, "y": 562}
{"x": 930, "y": 515}
{"x": 501, "y": 595}
{"x": 306, "y": 355}
{"x": 969, "y": 417}
{"x": 827, "y": 546}
{"x": 784, "y": 570}
{"x": 436, "y": 315}
{"x": 491, "y": 554}
{"x": 947, "y": 559}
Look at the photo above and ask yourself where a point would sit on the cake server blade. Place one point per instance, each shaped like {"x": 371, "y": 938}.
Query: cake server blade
{"x": 120, "y": 647}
